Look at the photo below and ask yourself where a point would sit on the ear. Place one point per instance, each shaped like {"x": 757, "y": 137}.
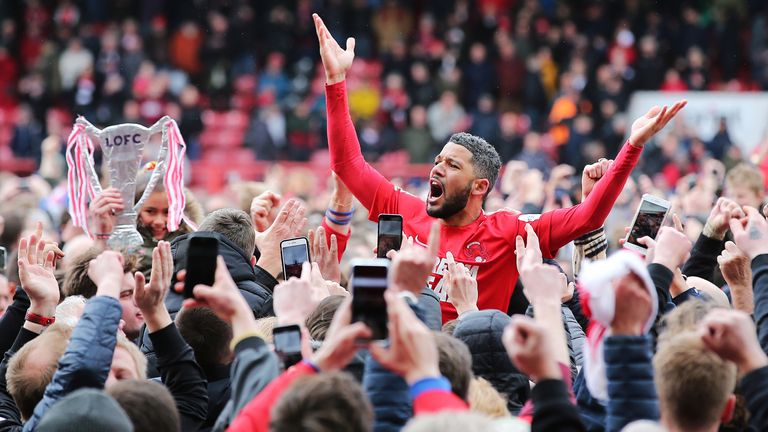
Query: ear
{"x": 480, "y": 187}
{"x": 253, "y": 260}
{"x": 730, "y": 407}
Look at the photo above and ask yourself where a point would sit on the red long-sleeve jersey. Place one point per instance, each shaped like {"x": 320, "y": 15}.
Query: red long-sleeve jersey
{"x": 486, "y": 246}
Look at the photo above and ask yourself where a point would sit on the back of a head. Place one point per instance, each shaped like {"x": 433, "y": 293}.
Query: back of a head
{"x": 327, "y": 402}
{"x": 265, "y": 327}
{"x": 465, "y": 421}
{"x": 484, "y": 399}
{"x": 31, "y": 369}
{"x": 320, "y": 319}
{"x": 207, "y": 334}
{"x": 485, "y": 159}
{"x": 685, "y": 317}
{"x": 86, "y": 410}
{"x": 693, "y": 383}
{"x": 148, "y": 404}
{"x": 455, "y": 363}
{"x": 77, "y": 282}
{"x": 233, "y": 224}
{"x": 643, "y": 426}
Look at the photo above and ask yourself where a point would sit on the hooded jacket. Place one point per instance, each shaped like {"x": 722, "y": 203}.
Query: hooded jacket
{"x": 482, "y": 331}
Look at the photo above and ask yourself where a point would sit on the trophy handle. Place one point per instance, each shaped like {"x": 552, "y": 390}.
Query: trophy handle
{"x": 161, "y": 161}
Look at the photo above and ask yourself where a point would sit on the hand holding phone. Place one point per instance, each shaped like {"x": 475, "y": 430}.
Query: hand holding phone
{"x": 649, "y": 218}
{"x": 368, "y": 281}
{"x": 294, "y": 253}
{"x": 287, "y": 340}
{"x": 390, "y": 234}
{"x": 201, "y": 262}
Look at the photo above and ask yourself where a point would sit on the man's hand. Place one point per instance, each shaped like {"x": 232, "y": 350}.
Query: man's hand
{"x": 719, "y": 218}
{"x": 671, "y": 248}
{"x": 731, "y": 335}
{"x": 103, "y": 210}
{"x": 735, "y": 266}
{"x": 542, "y": 283}
{"x": 653, "y": 121}
{"x": 591, "y": 174}
{"x": 295, "y": 299}
{"x": 151, "y": 298}
{"x": 751, "y": 233}
{"x": 224, "y": 298}
{"x": 326, "y": 258}
{"x": 290, "y": 223}
{"x": 528, "y": 252}
{"x": 264, "y": 210}
{"x": 106, "y": 271}
{"x": 412, "y": 352}
{"x": 633, "y": 306}
{"x": 341, "y": 341}
{"x": 529, "y": 349}
{"x": 36, "y": 275}
{"x": 462, "y": 287}
{"x": 412, "y": 264}
{"x": 336, "y": 61}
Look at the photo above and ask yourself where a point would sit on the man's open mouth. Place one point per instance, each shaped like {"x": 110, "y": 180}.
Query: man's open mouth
{"x": 436, "y": 190}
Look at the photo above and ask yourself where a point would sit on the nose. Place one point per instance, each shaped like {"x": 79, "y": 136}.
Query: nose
{"x": 159, "y": 221}
{"x": 437, "y": 171}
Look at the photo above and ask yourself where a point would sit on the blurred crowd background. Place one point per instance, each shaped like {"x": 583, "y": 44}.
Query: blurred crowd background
{"x": 546, "y": 82}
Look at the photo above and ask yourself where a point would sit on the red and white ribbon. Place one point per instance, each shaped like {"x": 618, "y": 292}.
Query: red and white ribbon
{"x": 79, "y": 188}
{"x": 174, "y": 176}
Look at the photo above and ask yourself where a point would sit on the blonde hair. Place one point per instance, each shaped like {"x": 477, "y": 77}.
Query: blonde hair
{"x": 138, "y": 357}
{"x": 748, "y": 176}
{"x": 484, "y": 399}
{"x": 264, "y": 327}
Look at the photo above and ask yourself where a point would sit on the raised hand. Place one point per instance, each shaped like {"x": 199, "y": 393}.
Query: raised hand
{"x": 591, "y": 174}
{"x": 290, "y": 222}
{"x": 527, "y": 345}
{"x": 151, "y": 298}
{"x": 336, "y": 60}
{"x": 462, "y": 287}
{"x": 327, "y": 258}
{"x": 412, "y": 264}
{"x": 751, "y": 233}
{"x": 528, "y": 252}
{"x": 653, "y": 121}
{"x": 737, "y": 272}
{"x": 719, "y": 218}
{"x": 264, "y": 210}
{"x": 223, "y": 297}
{"x": 731, "y": 335}
{"x": 633, "y": 306}
{"x": 295, "y": 299}
{"x": 36, "y": 275}
{"x": 341, "y": 341}
{"x": 671, "y": 248}
{"x": 106, "y": 271}
{"x": 103, "y": 210}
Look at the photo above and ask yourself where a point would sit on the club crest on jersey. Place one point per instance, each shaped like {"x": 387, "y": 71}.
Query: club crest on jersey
{"x": 528, "y": 217}
{"x": 475, "y": 251}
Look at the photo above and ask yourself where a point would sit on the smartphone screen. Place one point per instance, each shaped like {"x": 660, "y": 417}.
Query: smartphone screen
{"x": 288, "y": 344}
{"x": 3, "y": 258}
{"x": 295, "y": 252}
{"x": 650, "y": 216}
{"x": 368, "y": 285}
{"x": 201, "y": 263}
{"x": 390, "y": 234}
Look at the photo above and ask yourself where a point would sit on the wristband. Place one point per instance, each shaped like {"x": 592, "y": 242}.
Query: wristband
{"x": 338, "y": 213}
{"x": 343, "y": 221}
{"x": 39, "y": 319}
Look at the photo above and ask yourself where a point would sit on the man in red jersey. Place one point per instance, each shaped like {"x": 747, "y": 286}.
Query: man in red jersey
{"x": 465, "y": 171}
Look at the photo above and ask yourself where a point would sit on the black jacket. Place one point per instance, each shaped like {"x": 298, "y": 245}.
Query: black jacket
{"x": 254, "y": 283}
{"x": 482, "y": 331}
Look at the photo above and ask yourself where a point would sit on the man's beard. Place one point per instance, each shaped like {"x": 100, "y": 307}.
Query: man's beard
{"x": 453, "y": 204}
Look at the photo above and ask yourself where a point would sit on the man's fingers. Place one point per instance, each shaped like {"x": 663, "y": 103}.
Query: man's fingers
{"x": 532, "y": 240}
{"x": 49, "y": 261}
{"x": 737, "y": 226}
{"x": 451, "y": 262}
{"x": 139, "y": 283}
{"x": 351, "y": 45}
{"x": 334, "y": 250}
{"x": 519, "y": 250}
{"x": 306, "y": 271}
{"x": 677, "y": 222}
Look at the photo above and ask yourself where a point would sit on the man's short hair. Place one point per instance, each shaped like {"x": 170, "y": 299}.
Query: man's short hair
{"x": 485, "y": 399}
{"x": 748, "y": 176}
{"x": 693, "y": 383}
{"x": 485, "y": 159}
{"x": 148, "y": 404}
{"x": 233, "y": 224}
{"x": 683, "y": 318}
{"x": 455, "y": 363}
{"x": 31, "y": 369}
{"x": 327, "y": 402}
{"x": 320, "y": 319}
{"x": 77, "y": 282}
{"x": 265, "y": 327}
{"x": 461, "y": 421}
{"x": 207, "y": 334}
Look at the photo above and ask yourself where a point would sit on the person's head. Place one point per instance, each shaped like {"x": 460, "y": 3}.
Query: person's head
{"x": 684, "y": 318}
{"x": 320, "y": 319}
{"x": 694, "y": 385}
{"x": 465, "y": 171}
{"x": 128, "y": 362}
{"x": 327, "y": 402}
{"x": 265, "y": 326}
{"x": 148, "y": 404}
{"x": 207, "y": 334}
{"x": 85, "y": 410}
{"x": 466, "y": 421}
{"x": 31, "y": 369}
{"x": 455, "y": 363}
{"x": 154, "y": 214}
{"x": 745, "y": 185}
{"x": 75, "y": 247}
{"x": 77, "y": 282}
{"x": 485, "y": 399}
{"x": 233, "y": 224}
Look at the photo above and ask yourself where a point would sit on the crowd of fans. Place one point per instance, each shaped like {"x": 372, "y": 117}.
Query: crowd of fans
{"x": 503, "y": 340}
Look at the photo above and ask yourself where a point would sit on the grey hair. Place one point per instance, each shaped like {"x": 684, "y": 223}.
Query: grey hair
{"x": 70, "y": 310}
{"x": 485, "y": 159}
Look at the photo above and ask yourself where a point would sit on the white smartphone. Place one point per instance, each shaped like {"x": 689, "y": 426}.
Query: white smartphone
{"x": 649, "y": 219}
{"x": 294, "y": 253}
{"x": 368, "y": 281}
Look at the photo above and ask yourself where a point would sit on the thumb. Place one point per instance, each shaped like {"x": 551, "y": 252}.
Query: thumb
{"x": 351, "y": 45}
{"x": 139, "y": 283}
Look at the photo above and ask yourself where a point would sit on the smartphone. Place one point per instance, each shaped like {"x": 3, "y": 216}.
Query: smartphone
{"x": 649, "y": 218}
{"x": 368, "y": 281}
{"x": 390, "y": 234}
{"x": 3, "y": 259}
{"x": 287, "y": 341}
{"x": 201, "y": 262}
{"x": 294, "y": 252}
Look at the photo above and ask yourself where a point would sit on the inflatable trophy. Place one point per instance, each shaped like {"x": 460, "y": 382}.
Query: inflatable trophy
{"x": 122, "y": 146}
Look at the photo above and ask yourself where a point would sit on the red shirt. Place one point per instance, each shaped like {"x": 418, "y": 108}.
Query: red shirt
{"x": 486, "y": 246}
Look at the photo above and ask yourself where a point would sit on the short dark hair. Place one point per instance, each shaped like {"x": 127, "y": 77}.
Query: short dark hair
{"x": 326, "y": 402}
{"x": 320, "y": 319}
{"x": 77, "y": 282}
{"x": 485, "y": 159}
{"x": 233, "y": 224}
{"x": 455, "y": 363}
{"x": 207, "y": 334}
{"x": 148, "y": 404}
